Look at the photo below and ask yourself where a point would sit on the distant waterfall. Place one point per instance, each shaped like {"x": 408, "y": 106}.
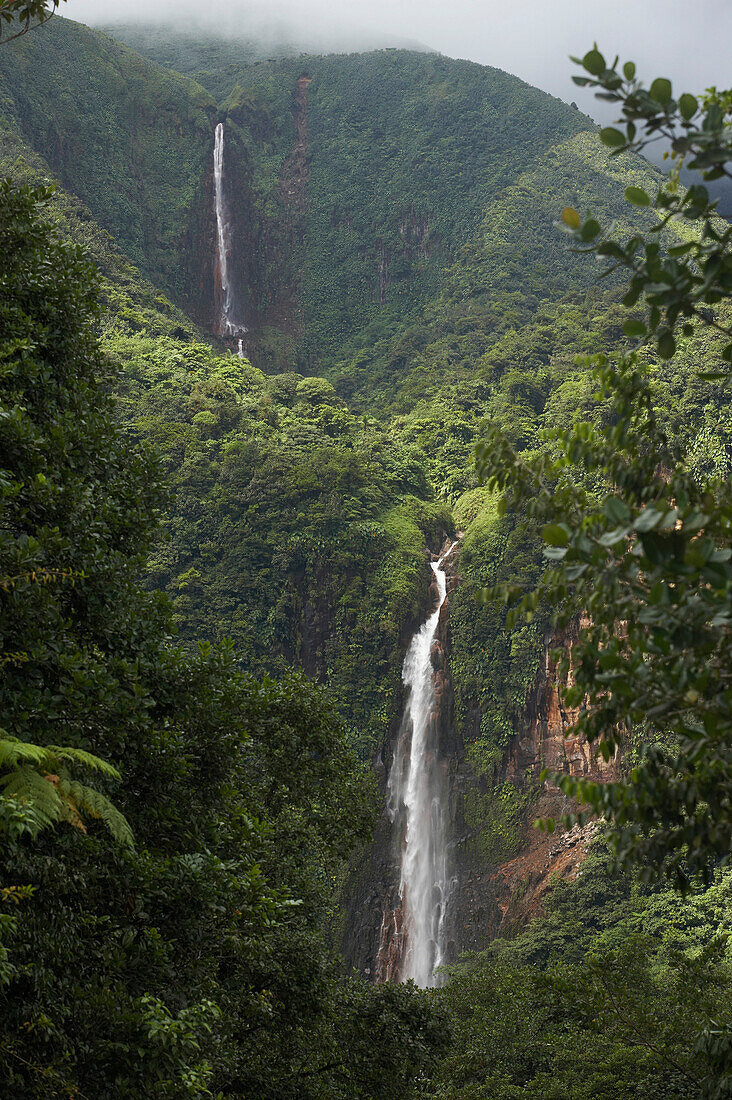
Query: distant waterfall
{"x": 417, "y": 789}
{"x": 228, "y": 324}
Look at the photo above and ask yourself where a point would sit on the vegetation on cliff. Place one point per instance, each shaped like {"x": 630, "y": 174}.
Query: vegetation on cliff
{"x": 191, "y": 954}
{"x": 408, "y": 295}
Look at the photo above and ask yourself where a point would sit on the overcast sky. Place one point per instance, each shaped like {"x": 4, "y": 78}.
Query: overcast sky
{"x": 690, "y": 41}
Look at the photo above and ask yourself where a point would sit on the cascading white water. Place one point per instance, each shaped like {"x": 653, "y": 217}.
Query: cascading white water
{"x": 417, "y": 789}
{"x": 228, "y": 324}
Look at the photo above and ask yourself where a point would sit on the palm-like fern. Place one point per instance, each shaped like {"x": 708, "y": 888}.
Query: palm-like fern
{"x": 39, "y": 777}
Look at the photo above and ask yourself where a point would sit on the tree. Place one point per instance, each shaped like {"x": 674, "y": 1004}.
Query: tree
{"x": 64, "y": 565}
{"x": 25, "y": 14}
{"x": 635, "y": 539}
{"x": 681, "y": 285}
{"x": 608, "y": 995}
{"x": 194, "y": 962}
{"x": 88, "y": 664}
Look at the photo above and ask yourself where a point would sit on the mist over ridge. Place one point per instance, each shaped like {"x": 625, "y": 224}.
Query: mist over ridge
{"x": 530, "y": 39}
{"x": 279, "y": 30}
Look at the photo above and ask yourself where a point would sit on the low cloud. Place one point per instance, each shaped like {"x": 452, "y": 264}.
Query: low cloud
{"x": 531, "y": 38}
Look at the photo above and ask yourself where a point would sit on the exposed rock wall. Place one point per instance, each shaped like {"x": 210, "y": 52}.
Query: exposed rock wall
{"x": 490, "y": 898}
{"x": 544, "y": 743}
{"x": 498, "y": 899}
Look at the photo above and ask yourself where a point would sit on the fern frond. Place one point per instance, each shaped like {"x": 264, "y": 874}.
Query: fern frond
{"x": 27, "y": 784}
{"x": 85, "y": 800}
{"x": 13, "y": 751}
{"x": 87, "y": 759}
{"x": 30, "y": 778}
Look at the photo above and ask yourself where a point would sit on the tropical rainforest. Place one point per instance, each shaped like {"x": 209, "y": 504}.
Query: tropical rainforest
{"x": 302, "y": 358}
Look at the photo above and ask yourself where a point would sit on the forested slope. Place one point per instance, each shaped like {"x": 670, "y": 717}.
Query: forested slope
{"x": 405, "y": 286}
{"x": 410, "y": 256}
{"x": 415, "y": 263}
{"x": 405, "y": 160}
{"x": 127, "y": 137}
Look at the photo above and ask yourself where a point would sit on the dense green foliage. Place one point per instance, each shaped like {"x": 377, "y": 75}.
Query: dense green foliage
{"x": 298, "y": 528}
{"x": 696, "y": 274}
{"x": 406, "y": 290}
{"x": 619, "y": 992}
{"x": 128, "y": 138}
{"x": 638, "y": 537}
{"x": 613, "y": 993}
{"x": 191, "y": 962}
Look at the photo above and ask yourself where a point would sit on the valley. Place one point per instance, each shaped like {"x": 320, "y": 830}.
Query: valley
{"x": 320, "y": 280}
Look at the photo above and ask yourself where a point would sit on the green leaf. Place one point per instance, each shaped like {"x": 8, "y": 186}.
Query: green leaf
{"x": 555, "y": 535}
{"x": 629, "y": 70}
{"x": 594, "y": 62}
{"x": 616, "y": 509}
{"x": 648, "y": 519}
{"x": 637, "y": 196}
{"x": 610, "y": 248}
{"x": 634, "y": 328}
{"x": 613, "y": 537}
{"x": 611, "y": 137}
{"x": 571, "y": 218}
{"x": 666, "y": 346}
{"x": 590, "y": 230}
{"x": 574, "y": 572}
{"x": 555, "y": 553}
{"x": 660, "y": 90}
{"x": 688, "y": 106}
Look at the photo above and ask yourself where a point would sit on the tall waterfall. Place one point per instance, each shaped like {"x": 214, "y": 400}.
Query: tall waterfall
{"x": 417, "y": 789}
{"x": 227, "y": 319}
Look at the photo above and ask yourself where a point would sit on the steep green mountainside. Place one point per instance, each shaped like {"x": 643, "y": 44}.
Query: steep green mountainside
{"x": 131, "y": 302}
{"x": 301, "y": 512}
{"x": 296, "y": 528}
{"x": 351, "y": 192}
{"x": 420, "y": 232}
{"x": 129, "y": 138}
{"x": 405, "y": 153}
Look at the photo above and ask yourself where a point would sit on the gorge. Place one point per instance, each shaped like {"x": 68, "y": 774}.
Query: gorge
{"x": 241, "y": 456}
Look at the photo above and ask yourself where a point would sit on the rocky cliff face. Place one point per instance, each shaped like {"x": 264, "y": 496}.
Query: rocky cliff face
{"x": 499, "y": 899}
{"x": 267, "y": 230}
{"x": 490, "y": 898}
{"x": 544, "y": 744}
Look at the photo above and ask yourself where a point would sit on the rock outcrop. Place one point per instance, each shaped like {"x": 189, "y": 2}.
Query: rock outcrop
{"x": 490, "y": 898}
{"x": 498, "y": 900}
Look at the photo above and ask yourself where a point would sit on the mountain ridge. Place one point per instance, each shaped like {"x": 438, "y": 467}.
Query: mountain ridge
{"x": 404, "y": 283}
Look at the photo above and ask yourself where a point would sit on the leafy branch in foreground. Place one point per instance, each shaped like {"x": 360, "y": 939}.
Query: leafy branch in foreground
{"x": 648, "y": 562}
{"x": 25, "y": 14}
{"x": 686, "y": 283}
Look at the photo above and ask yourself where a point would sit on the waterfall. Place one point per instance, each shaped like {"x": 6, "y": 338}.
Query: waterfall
{"x": 417, "y": 792}
{"x": 228, "y": 325}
